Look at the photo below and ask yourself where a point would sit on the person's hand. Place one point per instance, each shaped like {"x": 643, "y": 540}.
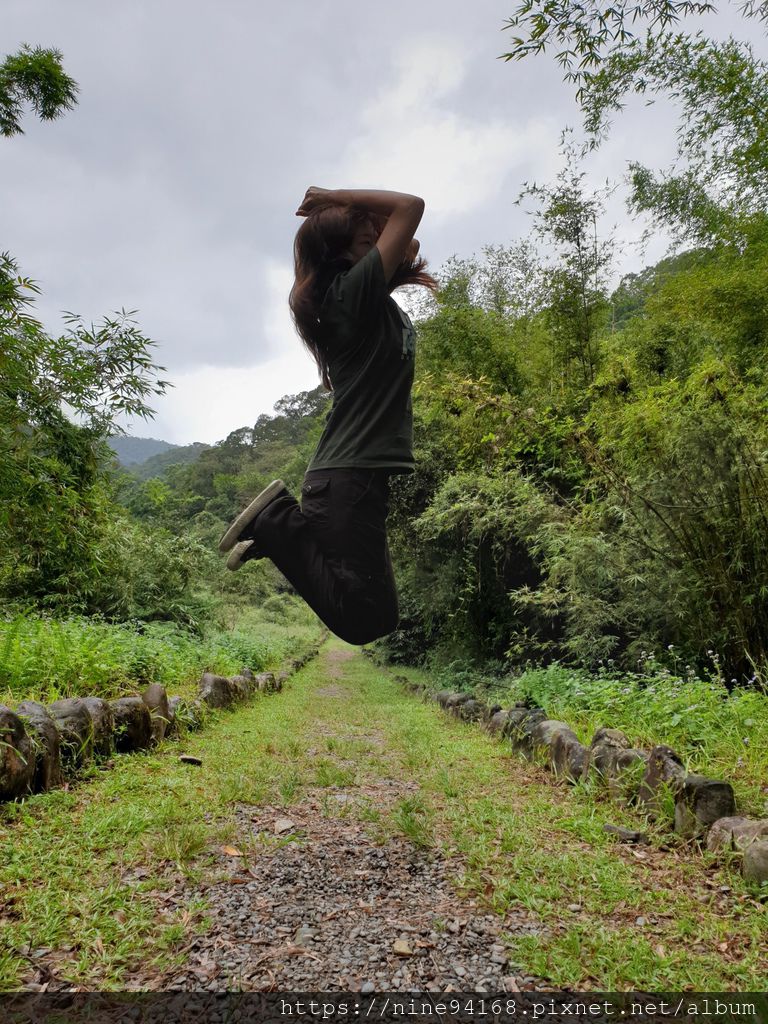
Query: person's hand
{"x": 413, "y": 250}
{"x": 313, "y": 198}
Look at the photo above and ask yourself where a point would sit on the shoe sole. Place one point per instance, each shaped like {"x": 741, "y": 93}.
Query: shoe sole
{"x": 236, "y": 560}
{"x": 248, "y": 514}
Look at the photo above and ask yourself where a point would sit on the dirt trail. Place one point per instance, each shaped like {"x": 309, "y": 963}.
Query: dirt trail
{"x": 325, "y": 904}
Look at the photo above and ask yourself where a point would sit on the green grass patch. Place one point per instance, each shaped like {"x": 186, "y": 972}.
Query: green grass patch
{"x": 80, "y": 869}
{"x": 45, "y": 658}
{"x": 716, "y": 732}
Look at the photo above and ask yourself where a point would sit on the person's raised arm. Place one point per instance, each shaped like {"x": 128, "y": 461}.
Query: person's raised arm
{"x": 403, "y": 213}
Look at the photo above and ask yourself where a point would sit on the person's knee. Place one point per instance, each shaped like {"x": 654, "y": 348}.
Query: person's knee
{"x": 359, "y": 637}
{"x": 364, "y": 629}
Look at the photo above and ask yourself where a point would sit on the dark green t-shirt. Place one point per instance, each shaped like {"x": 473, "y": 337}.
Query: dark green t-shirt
{"x": 370, "y": 346}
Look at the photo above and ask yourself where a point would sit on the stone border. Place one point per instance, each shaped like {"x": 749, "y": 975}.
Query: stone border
{"x": 698, "y": 808}
{"x": 43, "y": 745}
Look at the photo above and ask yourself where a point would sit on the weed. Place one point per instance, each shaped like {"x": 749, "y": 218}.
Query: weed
{"x": 328, "y": 773}
{"x": 411, "y": 817}
{"x": 181, "y": 844}
{"x": 243, "y": 789}
{"x": 288, "y": 786}
{"x": 366, "y": 810}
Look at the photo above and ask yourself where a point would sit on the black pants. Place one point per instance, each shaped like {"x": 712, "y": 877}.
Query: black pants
{"x": 333, "y": 550}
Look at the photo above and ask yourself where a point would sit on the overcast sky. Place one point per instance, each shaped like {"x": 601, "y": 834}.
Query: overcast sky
{"x": 172, "y": 187}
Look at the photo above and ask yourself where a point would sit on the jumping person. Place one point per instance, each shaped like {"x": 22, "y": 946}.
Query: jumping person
{"x": 353, "y": 249}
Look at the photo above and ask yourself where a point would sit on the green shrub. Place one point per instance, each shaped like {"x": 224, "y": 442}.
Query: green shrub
{"x": 44, "y": 658}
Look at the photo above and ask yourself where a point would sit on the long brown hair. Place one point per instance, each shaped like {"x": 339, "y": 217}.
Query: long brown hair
{"x": 320, "y": 242}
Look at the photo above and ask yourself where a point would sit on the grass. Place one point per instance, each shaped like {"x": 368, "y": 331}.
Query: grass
{"x": 411, "y": 816}
{"x": 722, "y": 734}
{"x": 717, "y": 732}
{"x": 45, "y": 659}
{"x": 83, "y": 872}
{"x": 531, "y": 848}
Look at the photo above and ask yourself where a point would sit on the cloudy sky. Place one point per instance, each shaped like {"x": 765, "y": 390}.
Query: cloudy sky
{"x": 172, "y": 187}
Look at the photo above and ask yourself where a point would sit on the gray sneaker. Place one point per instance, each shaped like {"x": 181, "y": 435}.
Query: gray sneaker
{"x": 243, "y": 552}
{"x": 247, "y": 516}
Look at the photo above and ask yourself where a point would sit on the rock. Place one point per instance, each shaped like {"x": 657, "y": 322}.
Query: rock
{"x": 185, "y": 714}
{"x": 521, "y": 732}
{"x": 156, "y": 699}
{"x": 367, "y": 988}
{"x": 544, "y": 731}
{"x": 603, "y": 750}
{"x": 133, "y": 724}
{"x": 242, "y": 687}
{"x": 455, "y": 699}
{"x": 283, "y": 825}
{"x": 623, "y": 781}
{"x": 173, "y": 725}
{"x": 402, "y": 947}
{"x": 73, "y": 720}
{"x": 554, "y": 739}
{"x": 471, "y": 710}
{"x": 700, "y": 802}
{"x": 17, "y": 756}
{"x": 735, "y": 833}
{"x": 755, "y": 865}
{"x": 496, "y": 723}
{"x": 216, "y": 691}
{"x": 280, "y": 680}
{"x": 567, "y": 756}
{"x": 517, "y": 715}
{"x": 626, "y": 835}
{"x": 264, "y": 682}
{"x": 664, "y": 774}
{"x": 613, "y": 736}
{"x": 103, "y": 725}
{"x": 42, "y": 730}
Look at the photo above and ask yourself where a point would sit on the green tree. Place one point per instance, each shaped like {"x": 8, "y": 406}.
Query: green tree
{"x": 575, "y": 284}
{"x": 59, "y": 401}
{"x": 720, "y": 90}
{"x": 34, "y": 76}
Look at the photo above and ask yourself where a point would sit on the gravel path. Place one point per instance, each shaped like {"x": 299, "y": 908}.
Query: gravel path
{"x": 325, "y": 905}
{"x": 328, "y": 909}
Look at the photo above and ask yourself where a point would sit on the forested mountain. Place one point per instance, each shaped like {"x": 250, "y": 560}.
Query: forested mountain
{"x": 176, "y": 455}
{"x": 132, "y": 451}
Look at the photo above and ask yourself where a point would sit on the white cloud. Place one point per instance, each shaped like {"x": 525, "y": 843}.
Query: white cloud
{"x": 278, "y": 329}
{"x": 410, "y": 141}
{"x": 209, "y": 402}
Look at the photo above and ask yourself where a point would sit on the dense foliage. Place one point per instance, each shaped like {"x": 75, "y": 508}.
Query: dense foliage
{"x": 591, "y": 462}
{"x": 591, "y": 476}
{"x": 47, "y": 658}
